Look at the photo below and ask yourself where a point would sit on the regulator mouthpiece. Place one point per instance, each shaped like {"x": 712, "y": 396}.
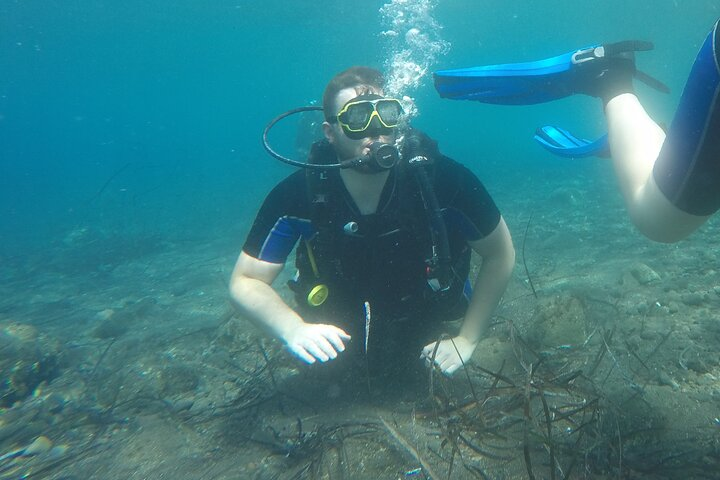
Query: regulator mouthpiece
{"x": 381, "y": 157}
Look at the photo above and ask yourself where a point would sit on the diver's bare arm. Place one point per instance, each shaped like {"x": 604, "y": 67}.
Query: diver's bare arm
{"x": 498, "y": 257}
{"x": 498, "y": 261}
{"x": 253, "y": 295}
{"x": 635, "y": 142}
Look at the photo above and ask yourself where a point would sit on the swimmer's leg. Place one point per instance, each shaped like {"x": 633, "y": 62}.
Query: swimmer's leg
{"x": 671, "y": 184}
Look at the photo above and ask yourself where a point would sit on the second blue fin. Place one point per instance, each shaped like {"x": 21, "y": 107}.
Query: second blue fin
{"x": 563, "y": 143}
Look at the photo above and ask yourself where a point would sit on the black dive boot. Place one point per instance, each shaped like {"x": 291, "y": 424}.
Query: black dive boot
{"x": 608, "y": 70}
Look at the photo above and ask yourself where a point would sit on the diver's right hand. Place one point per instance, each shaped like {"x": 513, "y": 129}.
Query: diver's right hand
{"x": 311, "y": 342}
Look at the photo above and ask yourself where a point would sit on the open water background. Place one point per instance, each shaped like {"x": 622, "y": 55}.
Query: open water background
{"x": 131, "y": 168}
{"x": 143, "y": 118}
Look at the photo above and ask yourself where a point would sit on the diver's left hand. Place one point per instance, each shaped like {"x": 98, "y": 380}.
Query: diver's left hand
{"x": 446, "y": 357}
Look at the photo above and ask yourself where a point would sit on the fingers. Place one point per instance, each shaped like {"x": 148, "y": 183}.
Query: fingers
{"x": 450, "y": 366}
{"x": 318, "y": 343}
{"x": 427, "y": 351}
{"x": 301, "y": 353}
{"x": 340, "y": 332}
{"x": 446, "y": 358}
{"x": 336, "y": 336}
{"x": 320, "y": 349}
{"x": 325, "y": 349}
{"x": 330, "y": 339}
{"x": 308, "y": 353}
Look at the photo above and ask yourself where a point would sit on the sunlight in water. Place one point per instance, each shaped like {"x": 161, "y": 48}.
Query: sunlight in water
{"x": 414, "y": 44}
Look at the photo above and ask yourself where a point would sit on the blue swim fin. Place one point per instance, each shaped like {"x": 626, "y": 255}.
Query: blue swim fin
{"x": 509, "y": 83}
{"x": 563, "y": 143}
{"x": 596, "y": 70}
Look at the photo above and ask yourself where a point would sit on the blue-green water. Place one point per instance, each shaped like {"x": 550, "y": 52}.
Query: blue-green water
{"x": 131, "y": 168}
{"x": 176, "y": 94}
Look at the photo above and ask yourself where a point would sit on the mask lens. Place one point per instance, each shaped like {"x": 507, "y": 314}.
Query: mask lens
{"x": 357, "y": 116}
{"x": 389, "y": 112}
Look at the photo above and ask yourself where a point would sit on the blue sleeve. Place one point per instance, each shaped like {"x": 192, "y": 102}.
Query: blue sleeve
{"x": 283, "y": 218}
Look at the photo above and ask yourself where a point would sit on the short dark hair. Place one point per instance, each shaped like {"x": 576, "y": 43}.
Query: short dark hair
{"x": 352, "y": 77}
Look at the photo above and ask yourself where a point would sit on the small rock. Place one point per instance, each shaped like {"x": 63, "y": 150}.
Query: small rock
{"x": 665, "y": 379}
{"x": 20, "y": 331}
{"x": 181, "y": 405}
{"x": 105, "y": 314}
{"x": 178, "y": 379}
{"x": 58, "y": 451}
{"x": 110, "y": 328}
{"x": 633, "y": 343}
{"x": 565, "y": 196}
{"x": 644, "y": 274}
{"x": 673, "y": 307}
{"x": 28, "y": 359}
{"x": 649, "y": 335}
{"x": 697, "y": 365}
{"x": 54, "y": 403}
{"x": 692, "y": 298}
{"x": 41, "y": 445}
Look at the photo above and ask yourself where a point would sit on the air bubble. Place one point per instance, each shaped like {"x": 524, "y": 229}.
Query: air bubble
{"x": 414, "y": 45}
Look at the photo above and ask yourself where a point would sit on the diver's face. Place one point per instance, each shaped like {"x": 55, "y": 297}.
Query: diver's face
{"x": 347, "y": 148}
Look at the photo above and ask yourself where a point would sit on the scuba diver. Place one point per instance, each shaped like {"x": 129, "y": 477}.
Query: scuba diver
{"x": 670, "y": 181}
{"x": 383, "y": 226}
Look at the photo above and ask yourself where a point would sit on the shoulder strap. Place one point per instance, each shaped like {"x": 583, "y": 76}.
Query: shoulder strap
{"x": 323, "y": 205}
{"x": 419, "y": 153}
{"x": 318, "y": 180}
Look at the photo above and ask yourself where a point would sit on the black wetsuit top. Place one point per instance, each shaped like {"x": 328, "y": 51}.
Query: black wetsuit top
{"x": 383, "y": 263}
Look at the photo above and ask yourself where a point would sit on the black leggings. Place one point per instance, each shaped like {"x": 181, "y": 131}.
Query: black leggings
{"x": 687, "y": 170}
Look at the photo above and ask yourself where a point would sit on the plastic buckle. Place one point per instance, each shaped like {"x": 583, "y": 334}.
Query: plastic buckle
{"x": 418, "y": 160}
{"x": 587, "y": 54}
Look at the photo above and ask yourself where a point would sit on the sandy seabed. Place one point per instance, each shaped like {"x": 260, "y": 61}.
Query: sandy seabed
{"x": 122, "y": 358}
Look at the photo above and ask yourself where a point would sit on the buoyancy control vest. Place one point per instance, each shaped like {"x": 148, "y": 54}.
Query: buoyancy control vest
{"x": 385, "y": 259}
